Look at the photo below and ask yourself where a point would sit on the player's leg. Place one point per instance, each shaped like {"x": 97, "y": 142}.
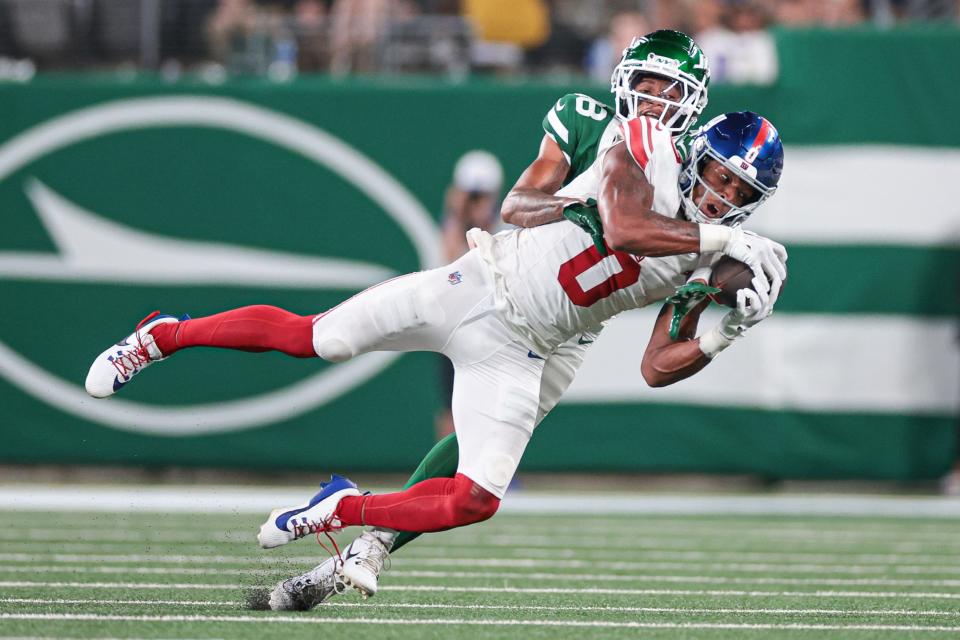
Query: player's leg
{"x": 494, "y": 405}
{"x": 467, "y": 322}
{"x": 364, "y": 558}
{"x": 410, "y": 313}
{"x": 442, "y": 460}
{"x": 560, "y": 369}
{"x": 254, "y": 328}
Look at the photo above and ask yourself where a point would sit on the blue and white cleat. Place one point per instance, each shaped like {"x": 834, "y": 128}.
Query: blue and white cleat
{"x": 317, "y": 516}
{"x": 116, "y": 366}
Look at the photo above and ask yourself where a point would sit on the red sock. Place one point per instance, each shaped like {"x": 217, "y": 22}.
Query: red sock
{"x": 256, "y": 328}
{"x": 436, "y": 504}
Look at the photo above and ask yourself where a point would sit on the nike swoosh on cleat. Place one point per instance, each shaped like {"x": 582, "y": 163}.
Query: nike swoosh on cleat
{"x": 582, "y": 340}
{"x": 117, "y": 385}
{"x": 281, "y": 521}
{"x": 531, "y": 354}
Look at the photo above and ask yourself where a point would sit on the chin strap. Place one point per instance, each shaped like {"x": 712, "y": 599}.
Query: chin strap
{"x": 686, "y": 298}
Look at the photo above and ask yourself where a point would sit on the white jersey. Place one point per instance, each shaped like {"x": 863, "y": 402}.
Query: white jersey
{"x": 552, "y": 283}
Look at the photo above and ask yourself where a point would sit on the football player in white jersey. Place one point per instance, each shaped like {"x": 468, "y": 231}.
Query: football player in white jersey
{"x": 500, "y": 313}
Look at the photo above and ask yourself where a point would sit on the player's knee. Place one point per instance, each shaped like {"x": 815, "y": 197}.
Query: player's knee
{"x": 334, "y": 350}
{"x": 472, "y": 503}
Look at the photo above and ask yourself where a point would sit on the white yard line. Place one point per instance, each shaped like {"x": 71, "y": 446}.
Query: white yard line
{"x": 177, "y": 603}
{"x": 517, "y": 562}
{"x": 14, "y": 534}
{"x": 492, "y": 622}
{"x": 513, "y": 575}
{"x": 541, "y": 590}
{"x": 558, "y": 548}
{"x": 192, "y": 499}
{"x": 541, "y": 525}
{"x": 541, "y": 529}
{"x": 676, "y": 592}
{"x": 506, "y": 607}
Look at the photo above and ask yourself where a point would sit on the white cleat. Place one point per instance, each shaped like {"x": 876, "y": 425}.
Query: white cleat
{"x": 116, "y": 366}
{"x": 363, "y": 560}
{"x": 316, "y": 516}
{"x": 304, "y": 592}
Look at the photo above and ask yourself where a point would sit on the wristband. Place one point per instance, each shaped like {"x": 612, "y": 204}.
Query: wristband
{"x": 713, "y": 237}
{"x": 700, "y": 274}
{"x": 713, "y": 342}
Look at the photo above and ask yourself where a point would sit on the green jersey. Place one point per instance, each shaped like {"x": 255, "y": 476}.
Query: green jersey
{"x": 578, "y": 122}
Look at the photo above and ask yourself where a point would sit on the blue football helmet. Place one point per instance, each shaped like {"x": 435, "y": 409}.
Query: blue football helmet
{"x": 746, "y": 144}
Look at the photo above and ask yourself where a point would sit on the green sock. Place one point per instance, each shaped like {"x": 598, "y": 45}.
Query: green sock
{"x": 440, "y": 462}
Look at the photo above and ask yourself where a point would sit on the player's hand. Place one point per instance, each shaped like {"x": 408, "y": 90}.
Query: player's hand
{"x": 586, "y": 216}
{"x": 773, "y": 260}
{"x": 748, "y": 313}
{"x": 762, "y": 257}
{"x": 750, "y": 310}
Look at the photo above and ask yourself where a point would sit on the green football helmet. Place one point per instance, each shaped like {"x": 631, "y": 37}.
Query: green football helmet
{"x": 667, "y": 54}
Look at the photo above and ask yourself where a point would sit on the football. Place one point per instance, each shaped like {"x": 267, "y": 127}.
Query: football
{"x": 730, "y": 275}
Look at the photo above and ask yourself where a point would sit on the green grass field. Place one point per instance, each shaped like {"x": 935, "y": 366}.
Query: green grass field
{"x": 154, "y": 575}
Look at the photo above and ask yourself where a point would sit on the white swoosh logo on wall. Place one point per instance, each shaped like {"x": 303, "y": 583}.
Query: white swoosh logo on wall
{"x": 92, "y": 249}
{"x": 95, "y": 249}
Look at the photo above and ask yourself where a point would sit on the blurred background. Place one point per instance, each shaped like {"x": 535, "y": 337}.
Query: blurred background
{"x": 197, "y": 155}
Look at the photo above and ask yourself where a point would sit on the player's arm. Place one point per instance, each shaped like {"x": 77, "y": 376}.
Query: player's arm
{"x": 665, "y": 360}
{"x": 629, "y": 223}
{"x": 531, "y": 201}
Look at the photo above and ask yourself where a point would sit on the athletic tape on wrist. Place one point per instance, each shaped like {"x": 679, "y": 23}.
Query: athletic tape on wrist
{"x": 713, "y": 342}
{"x": 713, "y": 237}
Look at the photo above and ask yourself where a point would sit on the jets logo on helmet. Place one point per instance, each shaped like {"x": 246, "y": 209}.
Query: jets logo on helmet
{"x": 666, "y": 54}
{"x": 661, "y": 60}
{"x": 750, "y": 147}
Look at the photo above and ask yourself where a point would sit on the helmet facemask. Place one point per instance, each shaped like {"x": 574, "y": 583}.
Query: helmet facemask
{"x": 677, "y": 115}
{"x": 692, "y": 176}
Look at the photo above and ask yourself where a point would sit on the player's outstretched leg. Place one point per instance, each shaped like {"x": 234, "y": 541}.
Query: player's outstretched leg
{"x": 303, "y": 592}
{"x": 316, "y": 516}
{"x": 363, "y": 561}
{"x": 436, "y": 504}
{"x": 255, "y": 328}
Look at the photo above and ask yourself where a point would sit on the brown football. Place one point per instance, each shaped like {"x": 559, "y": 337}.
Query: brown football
{"x": 730, "y": 275}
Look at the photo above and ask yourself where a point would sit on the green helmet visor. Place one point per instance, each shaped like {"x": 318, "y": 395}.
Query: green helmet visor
{"x": 677, "y": 115}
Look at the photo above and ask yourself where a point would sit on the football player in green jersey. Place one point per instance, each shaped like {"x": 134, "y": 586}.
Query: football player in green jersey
{"x": 664, "y": 76}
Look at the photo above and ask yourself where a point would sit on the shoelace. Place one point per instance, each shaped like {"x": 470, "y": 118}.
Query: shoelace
{"x": 325, "y": 526}
{"x": 378, "y": 558}
{"x": 132, "y": 361}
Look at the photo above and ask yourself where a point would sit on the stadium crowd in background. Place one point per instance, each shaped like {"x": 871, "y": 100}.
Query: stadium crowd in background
{"x": 278, "y": 38}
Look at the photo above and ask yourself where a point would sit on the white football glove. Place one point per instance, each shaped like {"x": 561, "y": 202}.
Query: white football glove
{"x": 750, "y": 310}
{"x": 772, "y": 257}
{"x": 766, "y": 258}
